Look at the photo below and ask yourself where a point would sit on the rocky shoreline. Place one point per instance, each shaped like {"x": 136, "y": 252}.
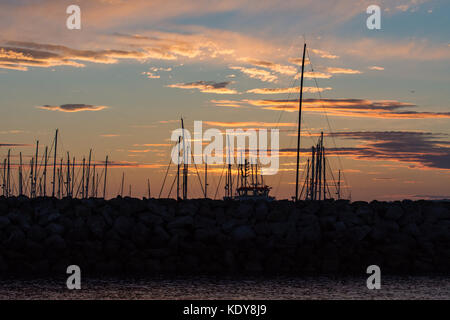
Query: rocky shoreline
{"x": 125, "y": 236}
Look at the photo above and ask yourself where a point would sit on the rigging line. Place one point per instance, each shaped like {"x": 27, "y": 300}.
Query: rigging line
{"x": 165, "y": 177}
{"x": 171, "y": 187}
{"x": 220, "y": 180}
{"x": 303, "y": 175}
{"x": 326, "y": 114}
{"x": 332, "y": 175}
{"x": 198, "y": 175}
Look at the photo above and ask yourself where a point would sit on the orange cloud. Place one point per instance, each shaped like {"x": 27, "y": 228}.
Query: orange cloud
{"x": 279, "y": 68}
{"x": 286, "y": 90}
{"x": 248, "y": 124}
{"x": 256, "y": 73}
{"x": 227, "y": 103}
{"x": 324, "y": 54}
{"x": 376, "y": 68}
{"x": 342, "y": 71}
{"x": 206, "y": 86}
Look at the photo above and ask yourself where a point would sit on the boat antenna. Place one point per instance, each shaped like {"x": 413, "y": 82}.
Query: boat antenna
{"x": 299, "y": 123}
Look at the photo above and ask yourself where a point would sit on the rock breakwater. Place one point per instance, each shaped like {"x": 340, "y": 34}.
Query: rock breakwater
{"x": 132, "y": 236}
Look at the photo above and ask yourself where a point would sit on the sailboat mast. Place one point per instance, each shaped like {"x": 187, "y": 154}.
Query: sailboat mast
{"x": 45, "y": 171}
{"x": 178, "y": 169}
{"x": 339, "y": 186}
{"x": 35, "y": 169}
{"x": 299, "y": 124}
{"x": 324, "y": 173}
{"x": 185, "y": 165}
{"x": 82, "y": 179}
{"x": 20, "y": 175}
{"x": 88, "y": 173}
{"x": 121, "y": 189}
{"x": 206, "y": 177}
{"x": 73, "y": 176}
{"x": 106, "y": 174}
{"x": 8, "y": 179}
{"x": 54, "y": 163}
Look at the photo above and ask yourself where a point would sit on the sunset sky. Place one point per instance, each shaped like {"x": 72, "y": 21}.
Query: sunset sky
{"x": 121, "y": 83}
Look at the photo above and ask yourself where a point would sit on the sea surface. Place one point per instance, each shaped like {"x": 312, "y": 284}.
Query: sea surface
{"x": 199, "y": 288}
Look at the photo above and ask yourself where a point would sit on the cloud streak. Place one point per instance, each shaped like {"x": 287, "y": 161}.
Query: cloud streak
{"x": 286, "y": 90}
{"x": 72, "y": 107}
{"x": 385, "y": 109}
{"x": 206, "y": 86}
{"x": 423, "y": 150}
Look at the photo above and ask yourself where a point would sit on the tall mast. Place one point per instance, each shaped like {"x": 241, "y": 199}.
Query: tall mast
{"x": 185, "y": 165}
{"x": 324, "y": 173}
{"x": 123, "y": 179}
{"x": 106, "y": 174}
{"x": 148, "y": 187}
{"x": 35, "y": 169}
{"x": 93, "y": 182}
{"x": 54, "y": 163}
{"x": 339, "y": 186}
{"x": 61, "y": 180}
{"x": 8, "y": 179}
{"x": 45, "y": 171}
{"x": 68, "y": 176}
{"x": 206, "y": 177}
{"x": 88, "y": 173}
{"x": 4, "y": 177}
{"x": 20, "y": 175}
{"x": 299, "y": 124}
{"x": 319, "y": 164}
{"x": 31, "y": 177}
{"x": 178, "y": 170}
{"x": 307, "y": 181}
{"x": 83, "y": 179}
{"x": 313, "y": 160}
{"x": 73, "y": 176}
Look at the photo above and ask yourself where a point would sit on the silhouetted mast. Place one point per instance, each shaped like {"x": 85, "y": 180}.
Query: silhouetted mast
{"x": 20, "y": 175}
{"x": 83, "y": 179}
{"x": 93, "y": 181}
{"x": 8, "y": 179}
{"x": 324, "y": 172}
{"x": 148, "y": 187}
{"x": 54, "y": 163}
{"x": 106, "y": 174}
{"x": 88, "y": 173}
{"x": 123, "y": 180}
{"x": 68, "y": 176}
{"x": 35, "y": 170}
{"x": 45, "y": 171}
{"x": 178, "y": 169}
{"x": 206, "y": 177}
{"x": 299, "y": 124}
{"x": 339, "y": 186}
{"x": 185, "y": 165}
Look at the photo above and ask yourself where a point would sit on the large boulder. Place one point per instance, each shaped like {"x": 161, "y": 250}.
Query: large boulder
{"x": 181, "y": 222}
{"x": 123, "y": 225}
{"x": 394, "y": 213}
{"x": 243, "y": 233}
{"x": 96, "y": 225}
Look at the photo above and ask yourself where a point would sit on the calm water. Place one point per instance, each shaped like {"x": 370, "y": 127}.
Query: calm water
{"x": 212, "y": 288}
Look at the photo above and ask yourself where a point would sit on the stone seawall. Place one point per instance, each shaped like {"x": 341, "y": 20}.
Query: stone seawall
{"x": 152, "y": 237}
